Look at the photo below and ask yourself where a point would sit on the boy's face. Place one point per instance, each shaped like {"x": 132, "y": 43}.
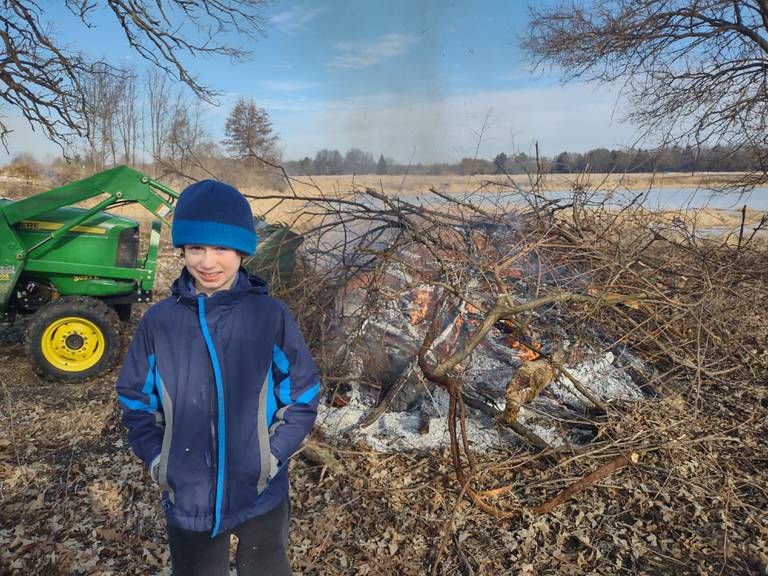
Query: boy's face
{"x": 214, "y": 268}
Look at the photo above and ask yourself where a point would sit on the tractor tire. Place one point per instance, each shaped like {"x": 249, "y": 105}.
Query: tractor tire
{"x": 73, "y": 338}
{"x": 123, "y": 312}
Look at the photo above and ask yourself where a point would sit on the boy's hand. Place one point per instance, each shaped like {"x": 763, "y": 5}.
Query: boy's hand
{"x": 274, "y": 466}
{"x": 154, "y": 469}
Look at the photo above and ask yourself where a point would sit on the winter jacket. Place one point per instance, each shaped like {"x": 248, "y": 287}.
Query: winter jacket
{"x": 215, "y": 387}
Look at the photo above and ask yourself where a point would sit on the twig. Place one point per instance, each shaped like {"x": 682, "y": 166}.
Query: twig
{"x": 741, "y": 227}
{"x": 586, "y": 392}
{"x": 448, "y": 530}
{"x": 11, "y": 430}
{"x": 321, "y": 454}
{"x": 529, "y": 436}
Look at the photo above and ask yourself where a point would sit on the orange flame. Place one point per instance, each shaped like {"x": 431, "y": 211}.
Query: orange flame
{"x": 420, "y": 310}
{"x": 526, "y": 353}
{"x": 339, "y": 401}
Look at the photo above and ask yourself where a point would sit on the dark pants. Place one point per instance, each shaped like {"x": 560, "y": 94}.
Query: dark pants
{"x": 262, "y": 549}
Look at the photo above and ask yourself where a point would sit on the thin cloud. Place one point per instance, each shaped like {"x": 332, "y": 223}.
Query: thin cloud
{"x": 357, "y": 55}
{"x": 287, "y": 85}
{"x": 528, "y": 77}
{"x": 447, "y": 128}
{"x": 295, "y": 21}
{"x": 349, "y": 105}
{"x": 292, "y": 105}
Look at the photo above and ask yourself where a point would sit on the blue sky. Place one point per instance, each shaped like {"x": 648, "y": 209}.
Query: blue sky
{"x": 417, "y": 80}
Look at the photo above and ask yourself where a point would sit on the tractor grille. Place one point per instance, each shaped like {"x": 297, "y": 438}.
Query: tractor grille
{"x": 127, "y": 248}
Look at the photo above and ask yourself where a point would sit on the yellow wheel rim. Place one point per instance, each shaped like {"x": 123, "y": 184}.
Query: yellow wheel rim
{"x": 72, "y": 344}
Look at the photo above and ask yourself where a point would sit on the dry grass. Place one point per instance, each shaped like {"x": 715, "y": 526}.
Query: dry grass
{"x": 416, "y": 184}
{"x": 708, "y": 222}
{"x": 407, "y": 185}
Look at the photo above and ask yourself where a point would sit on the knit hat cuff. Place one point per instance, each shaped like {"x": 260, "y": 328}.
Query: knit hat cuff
{"x": 186, "y": 232}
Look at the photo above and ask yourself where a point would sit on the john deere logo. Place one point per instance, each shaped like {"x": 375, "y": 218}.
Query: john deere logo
{"x": 42, "y": 225}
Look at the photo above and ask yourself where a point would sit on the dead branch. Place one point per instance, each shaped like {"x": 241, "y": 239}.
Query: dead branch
{"x": 523, "y": 432}
{"x": 384, "y": 403}
{"x": 504, "y": 309}
{"x": 586, "y": 392}
{"x": 602, "y": 472}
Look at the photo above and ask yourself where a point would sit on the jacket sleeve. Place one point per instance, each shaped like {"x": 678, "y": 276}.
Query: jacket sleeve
{"x": 139, "y": 398}
{"x": 296, "y": 390}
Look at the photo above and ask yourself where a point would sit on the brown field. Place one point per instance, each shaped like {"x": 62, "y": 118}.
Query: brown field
{"x": 407, "y": 185}
{"x": 415, "y": 184}
{"x": 278, "y": 206}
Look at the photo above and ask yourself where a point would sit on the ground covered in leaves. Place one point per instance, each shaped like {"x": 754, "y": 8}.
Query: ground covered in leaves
{"x": 73, "y": 500}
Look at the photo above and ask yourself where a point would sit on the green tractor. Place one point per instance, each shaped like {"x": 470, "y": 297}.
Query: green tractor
{"x": 73, "y": 273}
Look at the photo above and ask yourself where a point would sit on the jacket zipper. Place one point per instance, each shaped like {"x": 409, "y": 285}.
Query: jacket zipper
{"x": 214, "y": 453}
{"x": 218, "y": 433}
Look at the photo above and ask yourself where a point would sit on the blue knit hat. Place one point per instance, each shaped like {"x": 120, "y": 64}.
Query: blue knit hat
{"x": 214, "y": 214}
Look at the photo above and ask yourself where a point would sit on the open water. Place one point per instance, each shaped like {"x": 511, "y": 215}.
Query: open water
{"x": 657, "y": 198}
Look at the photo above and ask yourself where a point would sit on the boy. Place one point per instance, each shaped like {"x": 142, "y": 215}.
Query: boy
{"x": 218, "y": 390}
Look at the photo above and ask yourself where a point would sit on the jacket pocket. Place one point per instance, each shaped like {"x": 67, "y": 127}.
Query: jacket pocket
{"x": 262, "y": 429}
{"x": 165, "y": 450}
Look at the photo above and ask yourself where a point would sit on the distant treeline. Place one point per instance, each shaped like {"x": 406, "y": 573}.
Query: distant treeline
{"x": 210, "y": 158}
{"x": 667, "y": 159}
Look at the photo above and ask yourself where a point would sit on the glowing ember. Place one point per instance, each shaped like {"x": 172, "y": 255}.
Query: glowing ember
{"x": 420, "y": 309}
{"x": 471, "y": 309}
{"x": 525, "y": 353}
{"x": 339, "y": 401}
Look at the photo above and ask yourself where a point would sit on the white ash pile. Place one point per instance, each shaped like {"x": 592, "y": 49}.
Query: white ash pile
{"x": 384, "y": 316}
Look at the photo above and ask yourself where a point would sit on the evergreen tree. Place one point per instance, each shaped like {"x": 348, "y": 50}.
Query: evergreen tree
{"x": 248, "y": 132}
{"x": 381, "y": 166}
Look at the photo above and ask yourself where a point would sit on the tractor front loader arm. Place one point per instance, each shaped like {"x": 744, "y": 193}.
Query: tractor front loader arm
{"x": 119, "y": 184}
{"x": 114, "y": 186}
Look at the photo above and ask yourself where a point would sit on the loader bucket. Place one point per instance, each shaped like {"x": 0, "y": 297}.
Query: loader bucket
{"x": 275, "y": 256}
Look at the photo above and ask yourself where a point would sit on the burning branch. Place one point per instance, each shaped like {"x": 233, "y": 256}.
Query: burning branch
{"x": 504, "y": 309}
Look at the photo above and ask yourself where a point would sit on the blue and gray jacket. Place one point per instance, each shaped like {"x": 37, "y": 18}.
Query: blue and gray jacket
{"x": 215, "y": 387}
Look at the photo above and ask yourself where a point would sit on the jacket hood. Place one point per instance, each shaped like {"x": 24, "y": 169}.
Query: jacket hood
{"x": 184, "y": 287}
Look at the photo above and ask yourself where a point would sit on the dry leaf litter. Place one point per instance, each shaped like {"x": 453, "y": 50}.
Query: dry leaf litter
{"x": 73, "y": 499}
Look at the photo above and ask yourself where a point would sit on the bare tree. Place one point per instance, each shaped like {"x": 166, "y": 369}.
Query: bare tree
{"x": 128, "y": 119}
{"x": 357, "y": 161}
{"x": 329, "y": 162}
{"x": 692, "y": 70}
{"x": 157, "y": 88}
{"x": 104, "y": 91}
{"x": 41, "y": 76}
{"x": 187, "y": 138}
